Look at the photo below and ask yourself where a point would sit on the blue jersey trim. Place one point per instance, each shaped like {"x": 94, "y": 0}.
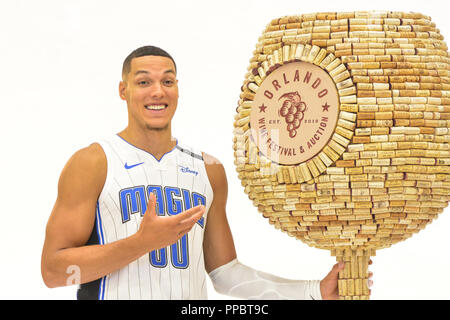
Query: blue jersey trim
{"x": 174, "y": 148}
{"x": 101, "y": 291}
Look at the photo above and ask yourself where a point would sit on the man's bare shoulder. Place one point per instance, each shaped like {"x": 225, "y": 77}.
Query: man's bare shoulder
{"x": 87, "y": 166}
{"x": 90, "y": 156}
{"x": 216, "y": 171}
{"x": 210, "y": 160}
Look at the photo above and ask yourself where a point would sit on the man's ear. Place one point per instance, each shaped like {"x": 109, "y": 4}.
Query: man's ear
{"x": 122, "y": 90}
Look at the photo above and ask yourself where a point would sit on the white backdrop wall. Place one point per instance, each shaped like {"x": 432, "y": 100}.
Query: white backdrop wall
{"x": 60, "y": 66}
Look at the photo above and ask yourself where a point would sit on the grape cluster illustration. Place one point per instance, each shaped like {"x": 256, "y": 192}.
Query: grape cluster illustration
{"x": 292, "y": 111}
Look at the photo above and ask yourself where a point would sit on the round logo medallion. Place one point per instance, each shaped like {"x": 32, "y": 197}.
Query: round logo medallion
{"x": 294, "y": 113}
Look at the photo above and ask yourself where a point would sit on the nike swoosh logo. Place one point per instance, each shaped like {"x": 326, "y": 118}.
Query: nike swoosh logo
{"x": 132, "y": 166}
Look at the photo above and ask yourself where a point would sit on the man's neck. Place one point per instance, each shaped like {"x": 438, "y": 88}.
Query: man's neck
{"x": 156, "y": 142}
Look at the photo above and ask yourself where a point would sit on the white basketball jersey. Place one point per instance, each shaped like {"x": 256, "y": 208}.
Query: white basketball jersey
{"x": 179, "y": 181}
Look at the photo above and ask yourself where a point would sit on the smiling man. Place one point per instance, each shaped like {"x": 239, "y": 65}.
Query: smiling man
{"x": 142, "y": 216}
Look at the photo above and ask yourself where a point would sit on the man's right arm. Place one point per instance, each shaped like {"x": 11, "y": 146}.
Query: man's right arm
{"x": 72, "y": 221}
{"x": 73, "y": 217}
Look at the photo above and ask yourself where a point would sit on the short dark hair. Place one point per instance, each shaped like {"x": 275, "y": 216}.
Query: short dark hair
{"x": 144, "y": 51}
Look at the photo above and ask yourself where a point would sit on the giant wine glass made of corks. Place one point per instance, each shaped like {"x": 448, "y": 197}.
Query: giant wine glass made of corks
{"x": 341, "y": 133}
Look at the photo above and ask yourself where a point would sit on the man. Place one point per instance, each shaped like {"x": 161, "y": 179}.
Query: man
{"x": 141, "y": 216}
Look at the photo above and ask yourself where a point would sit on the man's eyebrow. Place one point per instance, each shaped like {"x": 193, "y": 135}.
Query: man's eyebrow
{"x": 147, "y": 72}
{"x": 141, "y": 71}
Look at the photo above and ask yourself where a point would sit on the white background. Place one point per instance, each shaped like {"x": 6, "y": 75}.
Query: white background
{"x": 59, "y": 72}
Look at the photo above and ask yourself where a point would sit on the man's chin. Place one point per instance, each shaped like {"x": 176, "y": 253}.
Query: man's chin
{"x": 156, "y": 127}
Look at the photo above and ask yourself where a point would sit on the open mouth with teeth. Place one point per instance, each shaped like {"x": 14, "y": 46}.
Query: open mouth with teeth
{"x": 156, "y": 107}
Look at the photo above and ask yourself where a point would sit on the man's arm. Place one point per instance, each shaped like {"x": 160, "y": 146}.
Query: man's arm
{"x": 73, "y": 217}
{"x": 72, "y": 221}
{"x": 223, "y": 267}
{"x": 218, "y": 245}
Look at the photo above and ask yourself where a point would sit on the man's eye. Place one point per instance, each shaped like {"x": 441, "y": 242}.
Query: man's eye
{"x": 168, "y": 82}
{"x": 143, "y": 83}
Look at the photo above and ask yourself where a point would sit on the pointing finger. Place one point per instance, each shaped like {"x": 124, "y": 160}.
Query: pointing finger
{"x": 151, "y": 204}
{"x": 195, "y": 213}
{"x": 193, "y": 218}
{"x": 186, "y": 225}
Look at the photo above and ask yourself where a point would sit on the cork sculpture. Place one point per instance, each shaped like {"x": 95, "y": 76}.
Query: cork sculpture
{"x": 341, "y": 135}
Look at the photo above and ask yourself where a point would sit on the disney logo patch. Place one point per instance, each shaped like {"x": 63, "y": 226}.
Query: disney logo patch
{"x": 188, "y": 170}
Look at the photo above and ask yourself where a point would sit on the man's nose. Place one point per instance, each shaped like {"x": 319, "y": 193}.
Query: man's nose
{"x": 157, "y": 91}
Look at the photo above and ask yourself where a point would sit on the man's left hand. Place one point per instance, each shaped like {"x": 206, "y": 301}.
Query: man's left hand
{"x": 329, "y": 284}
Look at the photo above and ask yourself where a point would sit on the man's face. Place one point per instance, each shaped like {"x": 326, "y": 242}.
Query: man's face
{"x": 151, "y": 92}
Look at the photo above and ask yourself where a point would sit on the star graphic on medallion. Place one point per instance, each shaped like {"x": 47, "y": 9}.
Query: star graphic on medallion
{"x": 325, "y": 106}
{"x": 262, "y": 108}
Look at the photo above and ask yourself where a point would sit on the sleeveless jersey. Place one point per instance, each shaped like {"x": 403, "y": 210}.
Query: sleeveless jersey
{"x": 179, "y": 181}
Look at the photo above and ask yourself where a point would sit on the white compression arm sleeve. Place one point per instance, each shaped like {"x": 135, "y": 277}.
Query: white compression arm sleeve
{"x": 238, "y": 280}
